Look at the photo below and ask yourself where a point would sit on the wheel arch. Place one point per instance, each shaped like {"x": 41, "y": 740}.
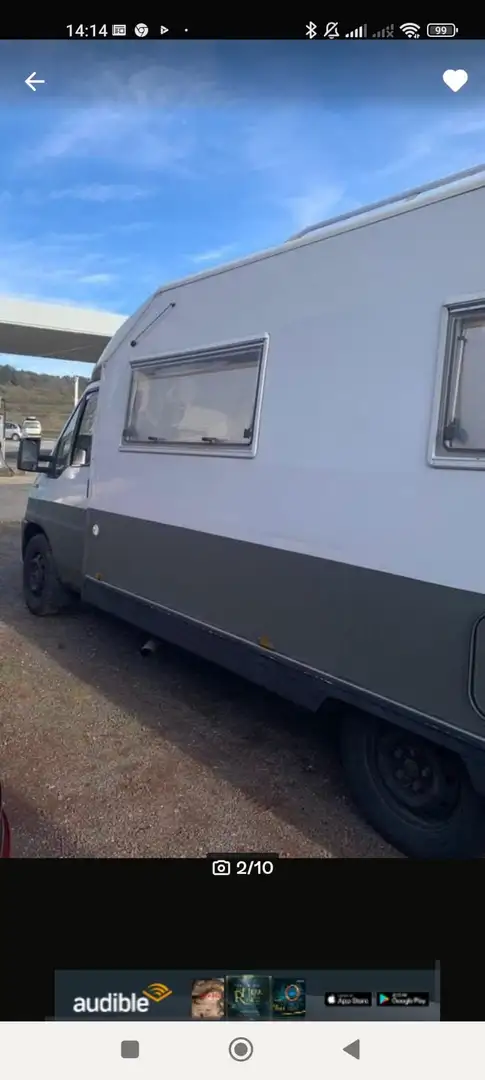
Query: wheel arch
{"x": 472, "y": 755}
{"x": 31, "y": 528}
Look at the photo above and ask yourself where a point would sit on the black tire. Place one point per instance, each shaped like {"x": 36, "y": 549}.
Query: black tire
{"x": 431, "y": 811}
{"x": 44, "y": 593}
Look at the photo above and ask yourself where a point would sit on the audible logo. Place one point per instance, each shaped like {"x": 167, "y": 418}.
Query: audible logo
{"x": 122, "y": 1003}
{"x": 157, "y": 992}
{"x": 111, "y": 1003}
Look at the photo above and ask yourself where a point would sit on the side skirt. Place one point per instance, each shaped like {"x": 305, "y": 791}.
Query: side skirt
{"x": 290, "y": 680}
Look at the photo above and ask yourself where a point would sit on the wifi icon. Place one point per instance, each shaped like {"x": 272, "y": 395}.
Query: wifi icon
{"x": 410, "y": 29}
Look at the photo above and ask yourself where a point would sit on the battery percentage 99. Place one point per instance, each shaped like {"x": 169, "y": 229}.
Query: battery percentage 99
{"x": 441, "y": 30}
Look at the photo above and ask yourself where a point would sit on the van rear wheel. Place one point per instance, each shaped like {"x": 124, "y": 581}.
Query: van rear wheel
{"x": 44, "y": 593}
{"x": 416, "y": 794}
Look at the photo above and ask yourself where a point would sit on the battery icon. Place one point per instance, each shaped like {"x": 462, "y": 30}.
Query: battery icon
{"x": 443, "y": 30}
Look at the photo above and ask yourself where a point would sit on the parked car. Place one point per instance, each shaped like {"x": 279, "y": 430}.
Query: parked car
{"x": 31, "y": 427}
{"x": 13, "y": 431}
{"x": 5, "y": 848}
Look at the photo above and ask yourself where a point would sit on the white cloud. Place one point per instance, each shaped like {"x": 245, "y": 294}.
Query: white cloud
{"x": 129, "y": 227}
{"x": 97, "y": 279}
{"x": 297, "y": 172}
{"x": 64, "y": 300}
{"x": 303, "y": 157}
{"x": 139, "y": 118}
{"x": 212, "y": 256}
{"x": 124, "y": 134}
{"x": 440, "y": 144}
{"x": 51, "y": 268}
{"x": 102, "y": 193}
{"x": 313, "y": 205}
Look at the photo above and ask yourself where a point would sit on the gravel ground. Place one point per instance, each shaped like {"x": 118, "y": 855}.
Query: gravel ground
{"x": 104, "y": 753}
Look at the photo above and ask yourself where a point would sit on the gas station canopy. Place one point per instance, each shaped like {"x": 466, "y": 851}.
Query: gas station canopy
{"x": 32, "y": 328}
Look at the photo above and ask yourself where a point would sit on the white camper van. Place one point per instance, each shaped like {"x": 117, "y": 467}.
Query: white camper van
{"x": 280, "y": 465}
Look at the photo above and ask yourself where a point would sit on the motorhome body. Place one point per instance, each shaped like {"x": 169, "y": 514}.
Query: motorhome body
{"x": 310, "y": 512}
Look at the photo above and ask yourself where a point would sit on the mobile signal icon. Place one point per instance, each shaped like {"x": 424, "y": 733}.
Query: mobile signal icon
{"x": 359, "y": 32}
{"x": 386, "y": 32}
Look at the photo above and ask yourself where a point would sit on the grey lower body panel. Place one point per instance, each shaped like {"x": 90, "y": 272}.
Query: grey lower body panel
{"x": 65, "y": 528}
{"x": 383, "y": 637}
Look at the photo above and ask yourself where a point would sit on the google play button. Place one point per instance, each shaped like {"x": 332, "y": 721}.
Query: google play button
{"x": 409, "y": 999}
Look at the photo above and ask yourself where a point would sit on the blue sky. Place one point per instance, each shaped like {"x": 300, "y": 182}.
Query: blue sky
{"x": 142, "y": 162}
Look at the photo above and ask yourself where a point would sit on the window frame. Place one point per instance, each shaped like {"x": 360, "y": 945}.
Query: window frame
{"x": 89, "y": 394}
{"x": 80, "y": 408}
{"x": 454, "y": 317}
{"x": 188, "y": 356}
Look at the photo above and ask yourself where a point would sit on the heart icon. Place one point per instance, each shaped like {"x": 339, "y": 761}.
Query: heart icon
{"x": 455, "y": 79}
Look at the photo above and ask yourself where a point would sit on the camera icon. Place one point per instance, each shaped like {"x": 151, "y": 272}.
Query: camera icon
{"x": 221, "y": 866}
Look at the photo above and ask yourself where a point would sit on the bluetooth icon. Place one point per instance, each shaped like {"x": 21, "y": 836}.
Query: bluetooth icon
{"x": 311, "y": 30}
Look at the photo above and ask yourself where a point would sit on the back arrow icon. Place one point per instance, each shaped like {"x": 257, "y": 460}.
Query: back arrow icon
{"x": 32, "y": 80}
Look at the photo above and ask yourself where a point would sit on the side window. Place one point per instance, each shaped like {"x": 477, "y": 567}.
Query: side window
{"x": 198, "y": 399}
{"x": 84, "y": 435}
{"x": 64, "y": 448}
{"x": 461, "y": 425}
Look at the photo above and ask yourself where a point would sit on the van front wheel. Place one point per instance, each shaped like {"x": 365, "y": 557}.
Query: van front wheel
{"x": 416, "y": 794}
{"x": 44, "y": 593}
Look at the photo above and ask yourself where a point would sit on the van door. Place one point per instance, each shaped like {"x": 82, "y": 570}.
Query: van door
{"x": 59, "y": 500}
